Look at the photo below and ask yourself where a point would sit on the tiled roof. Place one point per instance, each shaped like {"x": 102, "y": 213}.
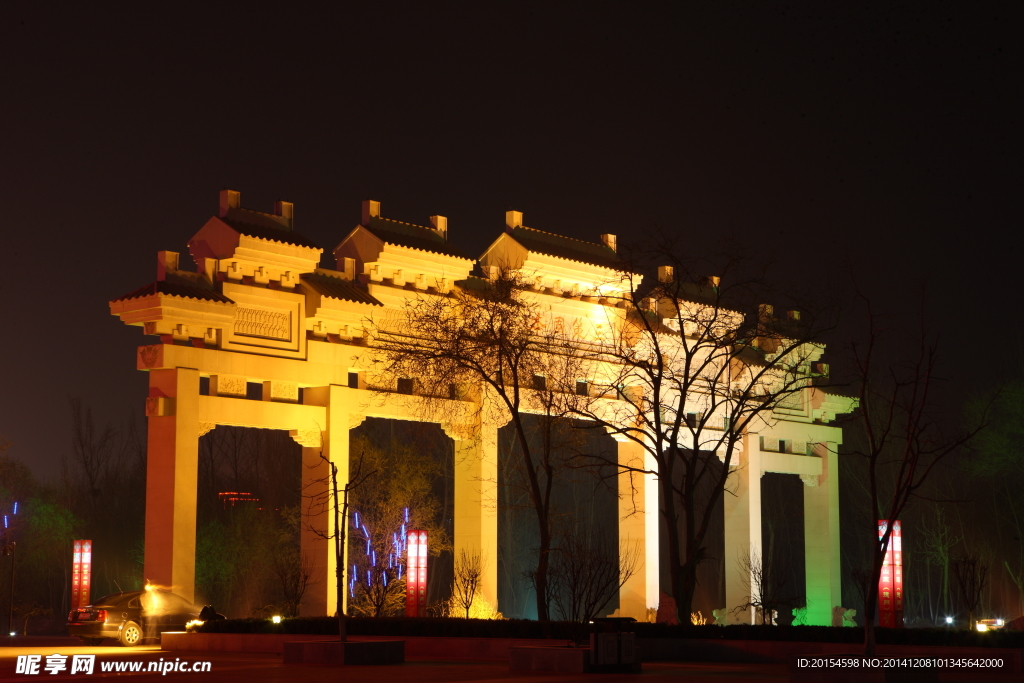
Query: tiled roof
{"x": 567, "y": 248}
{"x": 176, "y": 289}
{"x": 412, "y": 236}
{"x": 336, "y": 288}
{"x": 267, "y": 233}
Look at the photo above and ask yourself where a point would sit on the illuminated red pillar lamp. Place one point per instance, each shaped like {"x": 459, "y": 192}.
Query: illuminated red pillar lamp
{"x": 416, "y": 573}
{"x": 81, "y": 574}
{"x": 890, "y": 582}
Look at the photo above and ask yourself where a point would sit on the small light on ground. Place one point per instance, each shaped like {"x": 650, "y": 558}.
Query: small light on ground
{"x": 13, "y": 633}
{"x": 276, "y": 619}
{"x": 949, "y": 620}
{"x": 982, "y": 627}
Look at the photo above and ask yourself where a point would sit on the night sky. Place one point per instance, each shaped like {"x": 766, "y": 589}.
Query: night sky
{"x": 828, "y": 136}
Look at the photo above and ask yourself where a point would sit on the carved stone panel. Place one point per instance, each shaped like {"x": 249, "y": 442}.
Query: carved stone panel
{"x": 159, "y": 406}
{"x": 460, "y": 432}
{"x": 266, "y": 321}
{"x": 228, "y": 385}
{"x": 150, "y": 356}
{"x": 809, "y": 479}
{"x": 263, "y": 322}
{"x": 284, "y": 392}
{"x": 307, "y": 438}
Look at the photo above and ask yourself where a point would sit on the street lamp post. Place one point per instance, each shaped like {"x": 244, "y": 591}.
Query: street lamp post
{"x": 8, "y": 548}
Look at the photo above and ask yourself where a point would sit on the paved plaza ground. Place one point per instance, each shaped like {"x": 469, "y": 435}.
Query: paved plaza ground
{"x": 267, "y": 668}
{"x": 238, "y": 667}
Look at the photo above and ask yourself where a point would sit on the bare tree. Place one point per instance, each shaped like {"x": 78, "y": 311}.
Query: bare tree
{"x": 902, "y": 439}
{"x": 336, "y": 502}
{"x": 494, "y": 339}
{"x": 293, "y": 571}
{"x": 469, "y": 569}
{"x": 939, "y": 541}
{"x": 90, "y": 447}
{"x": 998, "y": 466}
{"x": 385, "y": 507}
{"x": 697, "y": 364}
{"x": 765, "y": 581}
{"x": 588, "y": 572}
{"x": 971, "y": 576}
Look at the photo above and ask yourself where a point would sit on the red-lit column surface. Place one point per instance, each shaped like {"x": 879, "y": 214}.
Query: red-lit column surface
{"x": 416, "y": 575}
{"x": 81, "y": 574}
{"x": 76, "y": 574}
{"x": 896, "y": 542}
{"x": 890, "y": 582}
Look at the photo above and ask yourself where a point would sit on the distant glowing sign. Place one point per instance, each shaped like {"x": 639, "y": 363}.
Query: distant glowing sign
{"x": 81, "y": 574}
{"x": 890, "y": 582}
{"x": 416, "y": 579}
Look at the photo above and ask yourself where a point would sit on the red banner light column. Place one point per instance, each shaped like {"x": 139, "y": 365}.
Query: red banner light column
{"x": 890, "y": 582}
{"x": 81, "y": 574}
{"x": 416, "y": 574}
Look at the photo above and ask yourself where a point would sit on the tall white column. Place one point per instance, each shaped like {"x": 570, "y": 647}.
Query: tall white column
{"x": 476, "y": 500}
{"x": 742, "y": 528}
{"x": 172, "y": 467}
{"x": 821, "y": 538}
{"x": 640, "y": 591}
{"x": 318, "y": 514}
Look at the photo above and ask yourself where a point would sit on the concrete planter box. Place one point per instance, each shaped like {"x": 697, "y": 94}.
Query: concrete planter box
{"x": 561, "y": 660}
{"x": 337, "y": 653}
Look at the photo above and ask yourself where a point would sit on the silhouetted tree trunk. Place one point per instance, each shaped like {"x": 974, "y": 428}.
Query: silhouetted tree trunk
{"x": 903, "y": 439}
{"x": 971, "y": 579}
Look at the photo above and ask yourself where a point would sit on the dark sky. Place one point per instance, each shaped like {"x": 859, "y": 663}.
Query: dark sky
{"x": 822, "y": 134}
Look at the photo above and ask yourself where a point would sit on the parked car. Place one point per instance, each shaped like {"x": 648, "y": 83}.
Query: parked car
{"x": 131, "y": 616}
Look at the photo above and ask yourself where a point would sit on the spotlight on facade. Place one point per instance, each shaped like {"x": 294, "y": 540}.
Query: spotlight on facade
{"x": 981, "y": 627}
{"x": 276, "y": 619}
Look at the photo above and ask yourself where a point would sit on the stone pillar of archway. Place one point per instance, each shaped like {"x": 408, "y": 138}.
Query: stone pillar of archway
{"x": 318, "y": 553}
{"x": 636, "y": 537}
{"x": 821, "y": 538}
{"x": 742, "y": 503}
{"x": 172, "y": 463}
{"x": 476, "y": 499}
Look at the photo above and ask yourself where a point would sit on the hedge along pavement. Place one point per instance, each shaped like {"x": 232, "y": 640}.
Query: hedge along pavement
{"x": 563, "y": 630}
